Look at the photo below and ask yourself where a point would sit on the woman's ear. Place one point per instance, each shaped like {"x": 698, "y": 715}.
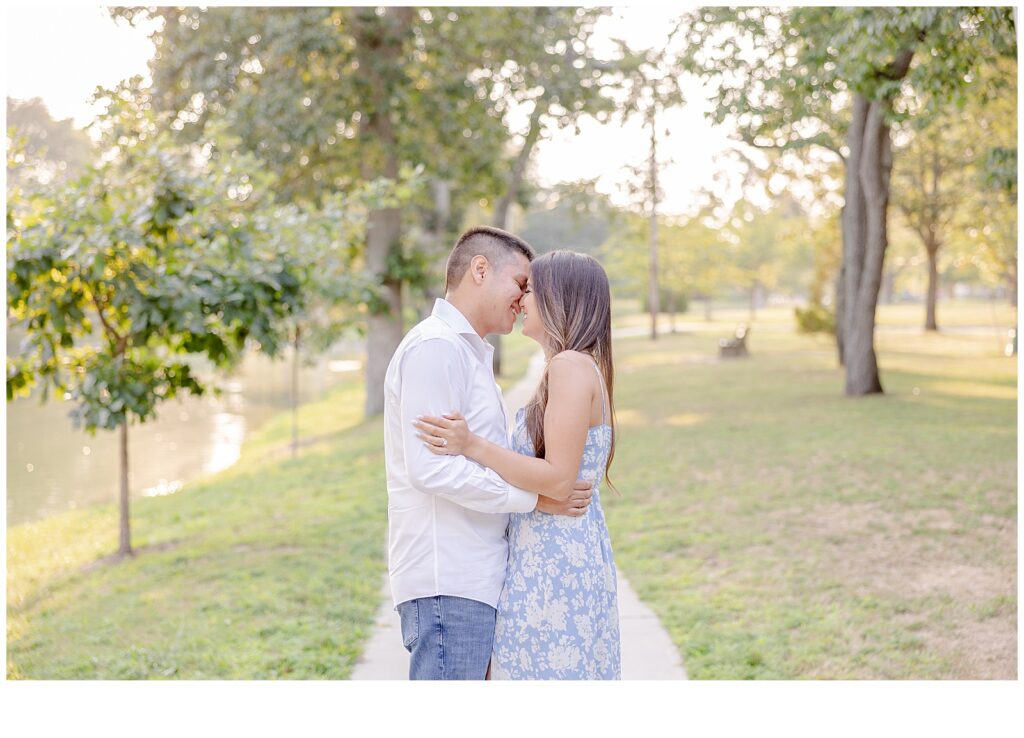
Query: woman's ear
{"x": 478, "y": 267}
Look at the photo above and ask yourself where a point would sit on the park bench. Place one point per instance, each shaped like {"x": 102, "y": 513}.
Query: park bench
{"x": 731, "y": 348}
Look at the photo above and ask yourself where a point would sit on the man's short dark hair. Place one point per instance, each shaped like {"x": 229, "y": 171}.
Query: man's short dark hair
{"x": 496, "y": 245}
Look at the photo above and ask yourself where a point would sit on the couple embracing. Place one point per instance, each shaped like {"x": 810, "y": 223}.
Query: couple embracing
{"x": 499, "y": 557}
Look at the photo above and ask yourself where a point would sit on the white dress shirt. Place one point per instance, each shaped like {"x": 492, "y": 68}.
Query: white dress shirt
{"x": 446, "y": 514}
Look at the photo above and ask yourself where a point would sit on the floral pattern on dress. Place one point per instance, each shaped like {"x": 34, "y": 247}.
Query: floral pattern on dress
{"x": 558, "y": 611}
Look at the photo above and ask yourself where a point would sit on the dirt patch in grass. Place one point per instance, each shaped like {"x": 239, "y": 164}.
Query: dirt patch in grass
{"x": 918, "y": 555}
{"x": 985, "y": 650}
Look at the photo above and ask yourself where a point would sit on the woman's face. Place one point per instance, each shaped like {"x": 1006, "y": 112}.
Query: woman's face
{"x": 532, "y": 325}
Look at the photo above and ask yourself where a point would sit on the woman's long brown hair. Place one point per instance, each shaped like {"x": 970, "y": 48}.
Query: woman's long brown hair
{"x": 573, "y": 298}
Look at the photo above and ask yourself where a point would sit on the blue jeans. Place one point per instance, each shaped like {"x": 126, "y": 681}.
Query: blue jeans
{"x": 448, "y": 637}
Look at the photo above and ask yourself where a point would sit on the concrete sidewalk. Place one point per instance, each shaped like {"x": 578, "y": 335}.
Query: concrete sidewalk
{"x": 647, "y": 650}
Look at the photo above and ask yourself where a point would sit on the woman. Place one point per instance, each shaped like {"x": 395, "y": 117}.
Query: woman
{"x": 557, "y": 616}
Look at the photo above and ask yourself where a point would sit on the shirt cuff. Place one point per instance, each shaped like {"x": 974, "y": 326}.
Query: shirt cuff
{"x": 521, "y": 501}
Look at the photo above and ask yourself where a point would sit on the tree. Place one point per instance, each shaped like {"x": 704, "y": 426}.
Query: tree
{"x": 331, "y": 97}
{"x": 323, "y": 241}
{"x": 551, "y": 69}
{"x": 989, "y": 218}
{"x": 955, "y": 180}
{"x": 693, "y": 262}
{"x": 128, "y": 275}
{"x": 650, "y": 87}
{"x": 930, "y": 181}
{"x": 837, "y": 78}
{"x": 691, "y": 255}
{"x": 993, "y": 224}
{"x": 761, "y": 240}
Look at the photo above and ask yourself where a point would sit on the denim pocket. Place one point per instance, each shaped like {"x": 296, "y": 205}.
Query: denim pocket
{"x": 409, "y": 613}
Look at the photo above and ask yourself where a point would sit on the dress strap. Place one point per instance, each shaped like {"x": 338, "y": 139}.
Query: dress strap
{"x": 604, "y": 407}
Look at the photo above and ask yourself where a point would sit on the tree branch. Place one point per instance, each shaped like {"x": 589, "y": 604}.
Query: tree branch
{"x": 120, "y": 341}
{"x": 898, "y": 67}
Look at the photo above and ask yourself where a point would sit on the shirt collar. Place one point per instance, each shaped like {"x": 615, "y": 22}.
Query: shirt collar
{"x": 458, "y": 322}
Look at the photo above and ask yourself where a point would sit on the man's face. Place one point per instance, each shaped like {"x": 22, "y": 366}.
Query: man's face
{"x": 506, "y": 293}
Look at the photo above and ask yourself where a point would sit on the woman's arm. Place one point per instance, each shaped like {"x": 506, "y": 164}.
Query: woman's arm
{"x": 566, "y": 420}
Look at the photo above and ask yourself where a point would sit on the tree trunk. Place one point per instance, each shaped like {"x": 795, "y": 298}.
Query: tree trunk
{"x": 865, "y": 235}
{"x": 380, "y": 45}
{"x": 652, "y": 286}
{"x": 384, "y": 329}
{"x": 707, "y": 308}
{"x": 295, "y": 392}
{"x": 434, "y": 289}
{"x": 672, "y": 311}
{"x": 869, "y": 165}
{"x": 515, "y": 178}
{"x": 841, "y": 306}
{"x": 753, "y": 302}
{"x": 933, "y": 286}
{"x": 853, "y": 224}
{"x": 125, "y": 544}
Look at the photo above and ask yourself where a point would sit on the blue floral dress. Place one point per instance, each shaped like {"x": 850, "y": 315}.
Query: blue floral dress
{"x": 558, "y": 612}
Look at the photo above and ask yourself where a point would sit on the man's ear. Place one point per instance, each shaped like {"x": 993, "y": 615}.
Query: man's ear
{"x": 478, "y": 268}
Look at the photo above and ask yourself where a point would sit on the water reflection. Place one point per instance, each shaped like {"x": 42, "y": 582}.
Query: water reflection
{"x": 225, "y": 441}
{"x": 163, "y": 488}
{"x": 51, "y": 467}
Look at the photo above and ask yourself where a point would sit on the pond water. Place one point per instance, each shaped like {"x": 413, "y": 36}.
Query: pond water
{"x": 51, "y": 467}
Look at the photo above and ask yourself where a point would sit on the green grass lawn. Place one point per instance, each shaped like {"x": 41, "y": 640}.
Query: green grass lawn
{"x": 779, "y": 529}
{"x": 271, "y": 569}
{"x": 782, "y": 530}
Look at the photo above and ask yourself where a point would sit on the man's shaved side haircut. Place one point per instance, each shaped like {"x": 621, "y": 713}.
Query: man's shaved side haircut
{"x": 494, "y": 244}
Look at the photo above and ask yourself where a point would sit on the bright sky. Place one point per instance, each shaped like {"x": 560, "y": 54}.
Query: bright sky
{"x": 605, "y": 151}
{"x": 62, "y": 54}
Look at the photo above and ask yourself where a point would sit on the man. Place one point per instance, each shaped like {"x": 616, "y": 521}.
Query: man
{"x": 447, "y": 515}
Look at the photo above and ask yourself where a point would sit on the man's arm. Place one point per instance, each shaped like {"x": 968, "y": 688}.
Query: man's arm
{"x": 432, "y": 377}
